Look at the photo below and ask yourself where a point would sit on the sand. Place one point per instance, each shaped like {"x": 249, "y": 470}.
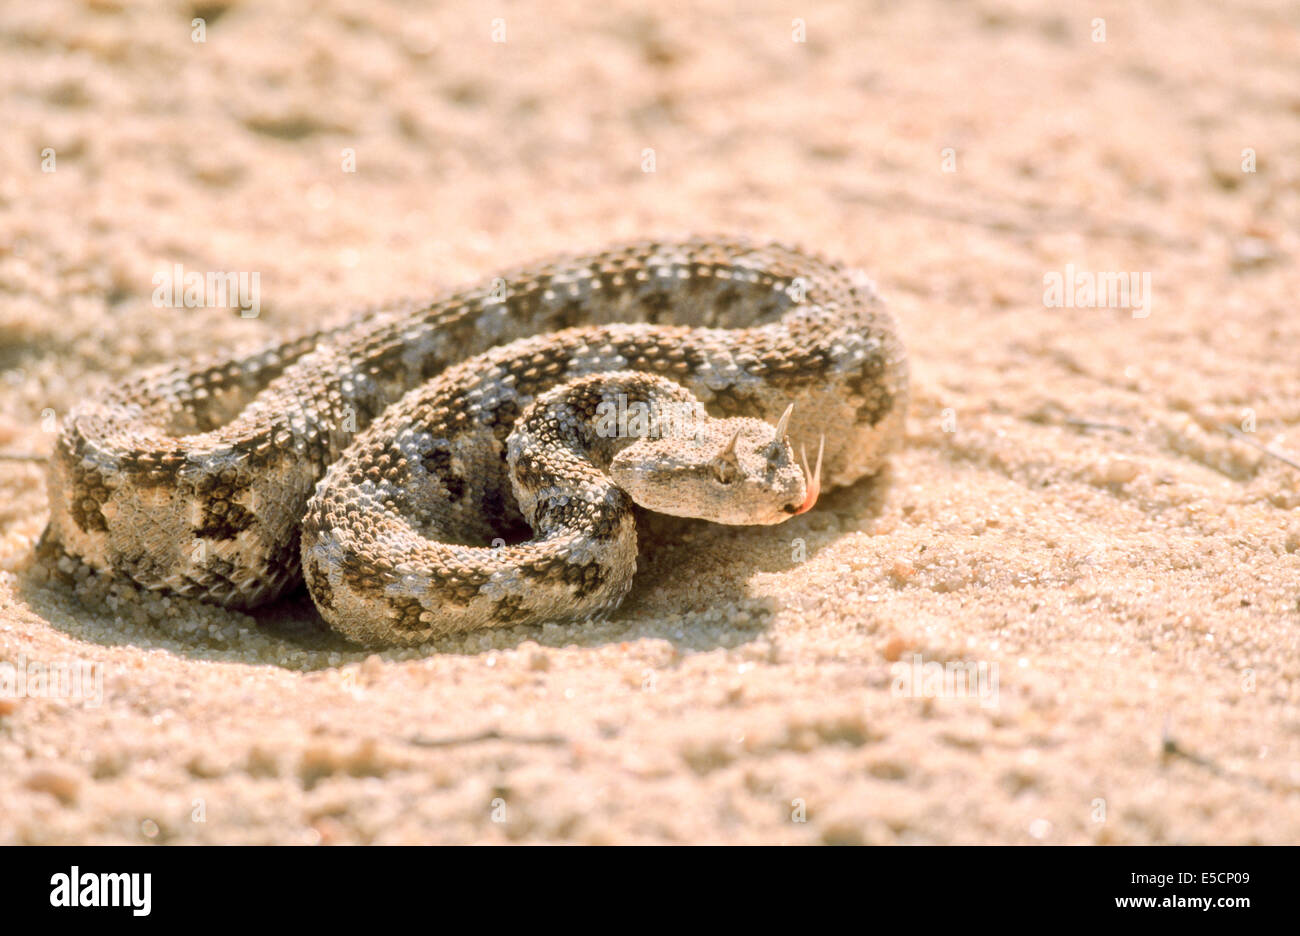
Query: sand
{"x": 1072, "y": 518}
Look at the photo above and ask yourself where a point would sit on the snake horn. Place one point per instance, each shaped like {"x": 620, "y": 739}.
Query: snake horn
{"x": 783, "y": 423}
{"x": 729, "y": 450}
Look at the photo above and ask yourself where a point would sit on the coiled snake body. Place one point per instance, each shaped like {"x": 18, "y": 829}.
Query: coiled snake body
{"x": 399, "y": 462}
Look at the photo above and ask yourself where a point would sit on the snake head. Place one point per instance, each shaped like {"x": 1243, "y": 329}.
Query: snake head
{"x": 736, "y": 471}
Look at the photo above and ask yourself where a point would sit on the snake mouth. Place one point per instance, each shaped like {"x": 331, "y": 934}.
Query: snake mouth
{"x": 813, "y": 478}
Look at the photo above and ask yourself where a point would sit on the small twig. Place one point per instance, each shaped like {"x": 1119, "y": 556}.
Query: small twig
{"x": 1088, "y": 424}
{"x": 490, "y": 735}
{"x": 1244, "y": 437}
{"x": 1169, "y": 747}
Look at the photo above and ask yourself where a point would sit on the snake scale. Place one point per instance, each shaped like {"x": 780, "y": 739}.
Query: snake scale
{"x": 473, "y": 461}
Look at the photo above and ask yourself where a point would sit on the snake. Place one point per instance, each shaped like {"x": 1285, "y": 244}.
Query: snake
{"x": 482, "y": 459}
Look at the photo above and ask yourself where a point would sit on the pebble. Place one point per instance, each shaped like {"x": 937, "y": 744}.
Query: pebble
{"x": 59, "y": 783}
{"x": 1116, "y": 470}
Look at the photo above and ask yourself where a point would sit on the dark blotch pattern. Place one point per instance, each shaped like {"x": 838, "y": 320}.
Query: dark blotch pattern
{"x": 438, "y": 463}
{"x": 321, "y": 591}
{"x": 878, "y": 400}
{"x": 511, "y": 610}
{"x": 582, "y": 580}
{"x": 406, "y": 615}
{"x": 89, "y": 493}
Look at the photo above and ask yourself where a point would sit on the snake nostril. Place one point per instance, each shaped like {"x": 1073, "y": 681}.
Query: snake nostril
{"x": 792, "y": 508}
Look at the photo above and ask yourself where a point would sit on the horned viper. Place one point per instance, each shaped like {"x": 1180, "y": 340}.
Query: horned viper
{"x": 473, "y": 461}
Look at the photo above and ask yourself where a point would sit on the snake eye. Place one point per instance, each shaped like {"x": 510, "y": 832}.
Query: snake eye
{"x": 725, "y": 465}
{"x": 725, "y": 470}
{"x": 779, "y": 439}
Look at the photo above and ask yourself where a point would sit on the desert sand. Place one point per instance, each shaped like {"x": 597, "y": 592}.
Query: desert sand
{"x": 1082, "y": 511}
